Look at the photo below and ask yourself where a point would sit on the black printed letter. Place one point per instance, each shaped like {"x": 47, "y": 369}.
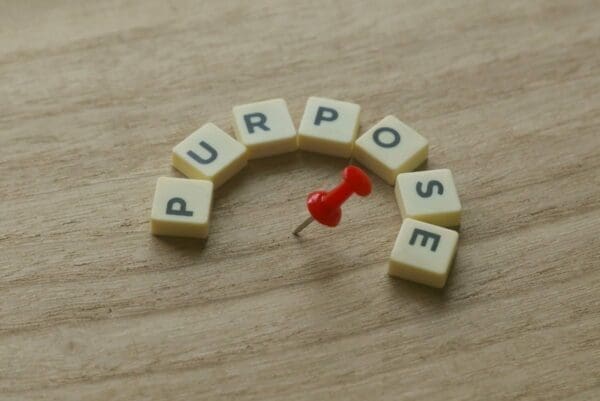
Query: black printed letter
{"x": 180, "y": 211}
{"x": 377, "y": 137}
{"x": 332, "y": 115}
{"x": 430, "y": 187}
{"x": 256, "y": 120}
{"x": 211, "y": 157}
{"x": 426, "y": 235}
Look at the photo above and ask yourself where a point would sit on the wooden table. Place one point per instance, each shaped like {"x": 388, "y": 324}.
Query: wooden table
{"x": 95, "y": 95}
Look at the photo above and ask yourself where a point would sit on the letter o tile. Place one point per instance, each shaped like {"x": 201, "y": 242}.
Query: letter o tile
{"x": 390, "y": 148}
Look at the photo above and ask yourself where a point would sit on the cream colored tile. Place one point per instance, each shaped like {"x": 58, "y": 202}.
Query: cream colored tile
{"x": 390, "y": 148}
{"x": 423, "y": 253}
{"x": 211, "y": 154}
{"x": 429, "y": 196}
{"x": 329, "y": 126}
{"x": 181, "y": 207}
{"x": 266, "y": 128}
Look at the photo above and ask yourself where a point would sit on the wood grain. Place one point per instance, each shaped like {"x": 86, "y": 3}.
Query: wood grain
{"x": 93, "y": 307}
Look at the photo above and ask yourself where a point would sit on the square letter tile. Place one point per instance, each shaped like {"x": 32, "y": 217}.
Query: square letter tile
{"x": 181, "y": 207}
{"x": 209, "y": 154}
{"x": 390, "y": 148}
{"x": 329, "y": 126}
{"x": 429, "y": 196}
{"x": 423, "y": 253}
{"x": 266, "y": 128}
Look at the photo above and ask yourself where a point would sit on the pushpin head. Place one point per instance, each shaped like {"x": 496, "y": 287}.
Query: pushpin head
{"x": 325, "y": 207}
{"x": 320, "y": 210}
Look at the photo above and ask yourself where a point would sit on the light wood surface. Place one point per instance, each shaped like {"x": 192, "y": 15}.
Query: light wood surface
{"x": 96, "y": 93}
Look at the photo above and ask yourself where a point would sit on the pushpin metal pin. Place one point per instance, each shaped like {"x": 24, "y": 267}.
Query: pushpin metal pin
{"x": 325, "y": 207}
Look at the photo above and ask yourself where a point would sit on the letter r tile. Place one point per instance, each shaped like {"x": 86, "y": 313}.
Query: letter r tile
{"x": 266, "y": 128}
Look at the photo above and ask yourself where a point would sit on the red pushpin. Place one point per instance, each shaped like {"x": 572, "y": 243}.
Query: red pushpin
{"x": 325, "y": 207}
